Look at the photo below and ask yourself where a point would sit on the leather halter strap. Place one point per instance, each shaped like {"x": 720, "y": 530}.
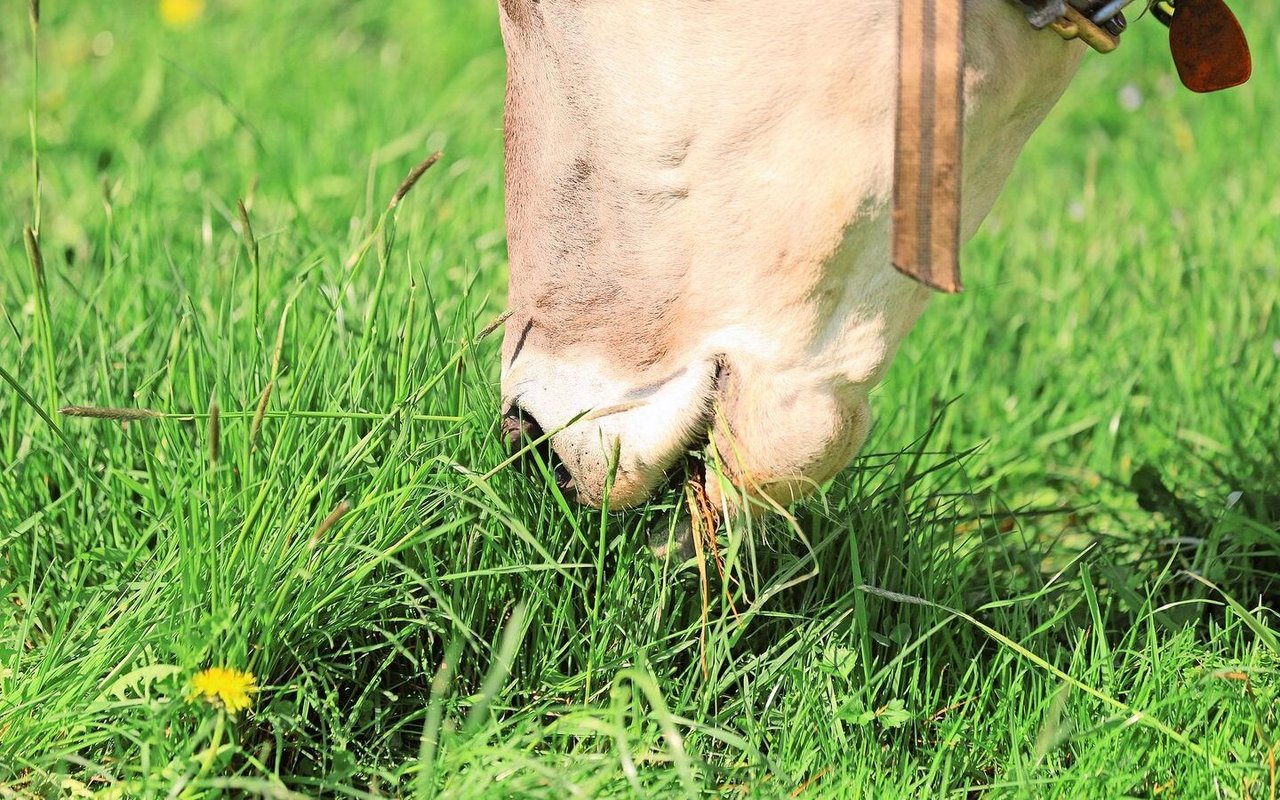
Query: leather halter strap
{"x": 930, "y": 125}
{"x": 1208, "y": 48}
{"x": 926, "y": 181}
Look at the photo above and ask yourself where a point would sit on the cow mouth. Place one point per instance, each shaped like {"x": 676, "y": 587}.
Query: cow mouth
{"x": 524, "y": 437}
{"x": 688, "y": 471}
{"x": 680, "y": 466}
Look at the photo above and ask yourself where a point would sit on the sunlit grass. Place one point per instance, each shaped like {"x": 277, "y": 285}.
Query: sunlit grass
{"x": 1053, "y": 574}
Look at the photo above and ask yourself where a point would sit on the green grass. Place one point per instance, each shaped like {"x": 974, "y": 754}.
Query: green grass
{"x": 997, "y": 600}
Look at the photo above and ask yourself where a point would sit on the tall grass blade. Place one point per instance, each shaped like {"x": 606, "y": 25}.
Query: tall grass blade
{"x": 429, "y": 744}
{"x": 1134, "y": 715}
{"x": 250, "y": 243}
{"x": 499, "y": 669}
{"x": 44, "y": 316}
{"x": 1265, "y": 635}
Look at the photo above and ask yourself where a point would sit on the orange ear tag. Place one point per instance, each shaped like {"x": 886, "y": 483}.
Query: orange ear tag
{"x": 1209, "y": 47}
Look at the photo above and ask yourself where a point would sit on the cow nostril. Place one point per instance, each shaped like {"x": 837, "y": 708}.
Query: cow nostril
{"x": 519, "y": 430}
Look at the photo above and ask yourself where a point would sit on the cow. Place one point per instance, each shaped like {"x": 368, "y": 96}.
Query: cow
{"x": 699, "y": 196}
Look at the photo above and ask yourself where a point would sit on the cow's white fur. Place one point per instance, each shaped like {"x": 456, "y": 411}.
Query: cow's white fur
{"x": 695, "y": 184}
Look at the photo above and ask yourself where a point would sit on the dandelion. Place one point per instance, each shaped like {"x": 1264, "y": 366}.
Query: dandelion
{"x": 180, "y": 13}
{"x": 224, "y": 688}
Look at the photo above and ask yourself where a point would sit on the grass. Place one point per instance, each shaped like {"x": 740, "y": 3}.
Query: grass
{"x": 1054, "y": 573}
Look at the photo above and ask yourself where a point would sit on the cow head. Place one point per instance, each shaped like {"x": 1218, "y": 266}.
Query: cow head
{"x": 698, "y": 198}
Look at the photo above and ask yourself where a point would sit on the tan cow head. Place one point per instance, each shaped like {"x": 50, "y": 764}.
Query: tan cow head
{"x": 698, "y": 197}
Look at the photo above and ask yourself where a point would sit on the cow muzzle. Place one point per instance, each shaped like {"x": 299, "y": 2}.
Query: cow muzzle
{"x": 601, "y": 435}
{"x": 771, "y": 438}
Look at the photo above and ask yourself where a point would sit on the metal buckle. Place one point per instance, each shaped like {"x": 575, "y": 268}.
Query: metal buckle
{"x": 1074, "y": 25}
{"x": 1042, "y": 13}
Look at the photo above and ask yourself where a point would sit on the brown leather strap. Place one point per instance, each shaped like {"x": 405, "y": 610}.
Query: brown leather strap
{"x": 926, "y": 191}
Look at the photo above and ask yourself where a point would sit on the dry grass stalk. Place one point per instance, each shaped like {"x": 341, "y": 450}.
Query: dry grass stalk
{"x": 412, "y": 178}
{"x": 699, "y": 555}
{"x": 118, "y": 414}
{"x": 336, "y": 514}
{"x": 705, "y": 513}
{"x": 706, "y": 522}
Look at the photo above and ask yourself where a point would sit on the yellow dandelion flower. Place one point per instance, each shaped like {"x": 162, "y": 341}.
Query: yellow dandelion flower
{"x": 180, "y": 13}
{"x": 224, "y": 688}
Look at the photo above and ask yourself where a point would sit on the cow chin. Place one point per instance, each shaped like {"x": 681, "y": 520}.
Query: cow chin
{"x": 776, "y": 443}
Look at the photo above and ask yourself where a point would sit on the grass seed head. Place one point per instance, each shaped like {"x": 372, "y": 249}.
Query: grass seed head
{"x": 259, "y": 413}
{"x": 120, "y": 414}
{"x": 215, "y": 431}
{"x": 33, "y": 253}
{"x": 412, "y": 178}
{"x": 246, "y": 232}
{"x": 493, "y": 326}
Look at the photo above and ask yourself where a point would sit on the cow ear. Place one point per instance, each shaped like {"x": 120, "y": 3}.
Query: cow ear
{"x": 1208, "y": 45}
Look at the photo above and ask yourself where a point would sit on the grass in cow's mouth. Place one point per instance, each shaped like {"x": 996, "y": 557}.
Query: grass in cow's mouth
{"x": 998, "y": 600}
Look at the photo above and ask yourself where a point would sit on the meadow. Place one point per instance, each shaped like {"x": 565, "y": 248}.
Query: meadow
{"x": 1054, "y": 572}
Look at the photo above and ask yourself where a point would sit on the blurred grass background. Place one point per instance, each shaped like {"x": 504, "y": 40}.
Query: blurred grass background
{"x": 1055, "y": 450}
